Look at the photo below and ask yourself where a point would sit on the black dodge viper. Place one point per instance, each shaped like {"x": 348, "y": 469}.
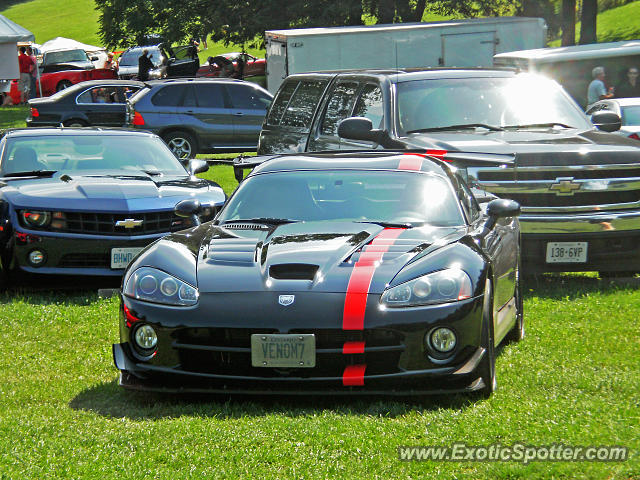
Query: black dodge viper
{"x": 375, "y": 273}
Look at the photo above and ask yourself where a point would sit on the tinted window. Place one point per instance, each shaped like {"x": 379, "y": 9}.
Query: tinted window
{"x": 210, "y": 96}
{"x": 247, "y": 97}
{"x": 339, "y": 107}
{"x": 169, "y": 96}
{"x": 302, "y": 105}
{"x": 108, "y": 94}
{"x": 280, "y": 103}
{"x": 369, "y": 105}
{"x": 347, "y": 195}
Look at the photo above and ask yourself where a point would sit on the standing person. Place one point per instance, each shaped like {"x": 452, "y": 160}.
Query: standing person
{"x": 597, "y": 89}
{"x": 34, "y": 66}
{"x": 144, "y": 65}
{"x": 631, "y": 87}
{"x": 110, "y": 63}
{"x": 24, "y": 84}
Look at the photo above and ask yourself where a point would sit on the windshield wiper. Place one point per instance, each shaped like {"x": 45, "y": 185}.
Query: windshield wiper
{"x": 387, "y": 224}
{"x": 266, "y": 220}
{"x": 465, "y": 126}
{"x": 31, "y": 173}
{"x": 538, "y": 125}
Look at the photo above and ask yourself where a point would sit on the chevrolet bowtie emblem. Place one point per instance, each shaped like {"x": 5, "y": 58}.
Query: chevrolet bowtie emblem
{"x": 129, "y": 223}
{"x": 564, "y": 186}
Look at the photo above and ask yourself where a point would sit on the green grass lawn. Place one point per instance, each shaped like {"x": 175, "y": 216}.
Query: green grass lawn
{"x": 573, "y": 380}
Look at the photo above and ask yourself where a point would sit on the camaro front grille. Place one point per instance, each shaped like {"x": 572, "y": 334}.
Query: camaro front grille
{"x": 91, "y": 223}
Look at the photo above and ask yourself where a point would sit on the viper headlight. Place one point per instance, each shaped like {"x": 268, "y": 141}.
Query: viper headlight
{"x": 153, "y": 285}
{"x": 448, "y": 285}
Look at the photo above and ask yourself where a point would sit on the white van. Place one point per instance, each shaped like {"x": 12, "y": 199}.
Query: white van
{"x": 571, "y": 66}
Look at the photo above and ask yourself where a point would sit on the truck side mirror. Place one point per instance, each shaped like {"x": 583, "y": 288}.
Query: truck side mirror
{"x": 606, "y": 121}
{"x": 360, "y": 128}
{"x": 196, "y": 166}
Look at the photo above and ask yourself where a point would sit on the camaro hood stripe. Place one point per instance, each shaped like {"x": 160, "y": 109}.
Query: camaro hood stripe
{"x": 355, "y": 301}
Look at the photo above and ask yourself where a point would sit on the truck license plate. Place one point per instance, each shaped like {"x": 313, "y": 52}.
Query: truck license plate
{"x": 283, "y": 350}
{"x": 121, "y": 257}
{"x": 567, "y": 252}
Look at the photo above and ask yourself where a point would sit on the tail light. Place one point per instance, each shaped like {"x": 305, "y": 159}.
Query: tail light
{"x": 635, "y": 136}
{"x": 34, "y": 112}
{"x": 137, "y": 119}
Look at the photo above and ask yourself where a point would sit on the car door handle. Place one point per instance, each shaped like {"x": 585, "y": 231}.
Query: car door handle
{"x": 238, "y": 114}
{"x": 189, "y": 111}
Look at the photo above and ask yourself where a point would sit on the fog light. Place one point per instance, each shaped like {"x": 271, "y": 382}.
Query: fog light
{"x": 36, "y": 258}
{"x": 146, "y": 337}
{"x": 443, "y": 340}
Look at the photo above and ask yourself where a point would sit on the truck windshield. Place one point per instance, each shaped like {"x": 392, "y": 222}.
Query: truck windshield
{"x": 522, "y": 101}
{"x": 130, "y": 58}
{"x": 346, "y": 195}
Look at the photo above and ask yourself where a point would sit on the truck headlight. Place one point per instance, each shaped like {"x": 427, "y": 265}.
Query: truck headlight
{"x": 36, "y": 218}
{"x": 444, "y": 286}
{"x": 153, "y": 285}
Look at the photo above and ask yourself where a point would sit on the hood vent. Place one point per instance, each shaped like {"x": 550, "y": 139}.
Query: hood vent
{"x": 245, "y": 226}
{"x": 293, "y": 271}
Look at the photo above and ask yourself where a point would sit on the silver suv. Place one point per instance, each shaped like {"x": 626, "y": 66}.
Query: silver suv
{"x": 201, "y": 115}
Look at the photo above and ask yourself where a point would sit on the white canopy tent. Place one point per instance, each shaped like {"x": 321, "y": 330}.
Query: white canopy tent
{"x": 10, "y": 34}
{"x": 62, "y": 43}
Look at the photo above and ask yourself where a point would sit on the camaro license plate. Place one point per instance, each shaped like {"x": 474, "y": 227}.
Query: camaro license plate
{"x": 121, "y": 257}
{"x": 567, "y": 252}
{"x": 283, "y": 350}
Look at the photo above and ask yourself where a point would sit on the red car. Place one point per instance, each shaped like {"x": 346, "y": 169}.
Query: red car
{"x": 253, "y": 67}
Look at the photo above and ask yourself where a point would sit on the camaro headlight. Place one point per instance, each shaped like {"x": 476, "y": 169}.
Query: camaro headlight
{"x": 448, "y": 285}
{"x": 153, "y": 285}
{"x": 36, "y": 218}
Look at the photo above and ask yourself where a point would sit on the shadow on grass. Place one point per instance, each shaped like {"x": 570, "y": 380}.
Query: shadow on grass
{"x": 110, "y": 400}
{"x": 64, "y": 289}
{"x": 572, "y": 286}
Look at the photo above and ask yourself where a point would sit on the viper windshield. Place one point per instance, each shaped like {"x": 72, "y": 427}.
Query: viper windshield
{"x": 493, "y": 102}
{"x": 85, "y": 154}
{"x": 379, "y": 197}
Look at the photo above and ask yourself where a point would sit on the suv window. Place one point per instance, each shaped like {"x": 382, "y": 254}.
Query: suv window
{"x": 169, "y": 96}
{"x": 280, "y": 103}
{"x": 247, "y": 97}
{"x": 369, "y": 105}
{"x": 339, "y": 107}
{"x": 210, "y": 95}
{"x": 298, "y": 110}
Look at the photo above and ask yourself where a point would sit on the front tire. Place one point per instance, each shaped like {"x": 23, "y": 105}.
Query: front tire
{"x": 182, "y": 144}
{"x": 487, "y": 368}
{"x": 63, "y": 84}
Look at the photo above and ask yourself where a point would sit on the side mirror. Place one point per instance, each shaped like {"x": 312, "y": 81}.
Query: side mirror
{"x": 189, "y": 208}
{"x": 197, "y": 166}
{"x": 500, "y": 208}
{"x": 606, "y": 121}
{"x": 94, "y": 58}
{"x": 360, "y": 128}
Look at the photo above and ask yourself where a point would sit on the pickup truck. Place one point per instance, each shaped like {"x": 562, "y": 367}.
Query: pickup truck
{"x": 578, "y": 185}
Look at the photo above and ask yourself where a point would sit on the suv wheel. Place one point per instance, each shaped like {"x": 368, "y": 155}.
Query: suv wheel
{"x": 181, "y": 144}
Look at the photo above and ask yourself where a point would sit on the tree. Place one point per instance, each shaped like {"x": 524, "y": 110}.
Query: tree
{"x": 588, "y": 19}
{"x": 568, "y": 22}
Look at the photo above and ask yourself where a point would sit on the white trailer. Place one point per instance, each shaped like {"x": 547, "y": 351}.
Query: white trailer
{"x": 454, "y": 43}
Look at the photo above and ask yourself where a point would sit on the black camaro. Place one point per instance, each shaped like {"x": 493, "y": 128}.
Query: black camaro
{"x": 85, "y": 201}
{"x": 328, "y": 273}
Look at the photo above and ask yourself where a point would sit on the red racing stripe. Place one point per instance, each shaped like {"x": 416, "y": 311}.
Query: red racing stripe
{"x": 353, "y": 347}
{"x": 353, "y": 376}
{"x": 410, "y": 162}
{"x": 355, "y": 302}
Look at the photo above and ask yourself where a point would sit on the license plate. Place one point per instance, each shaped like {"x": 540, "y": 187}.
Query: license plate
{"x": 567, "y": 252}
{"x": 121, "y": 257}
{"x": 278, "y": 350}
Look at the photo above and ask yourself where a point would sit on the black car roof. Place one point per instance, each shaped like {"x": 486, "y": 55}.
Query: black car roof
{"x": 372, "y": 160}
{"x": 405, "y": 75}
